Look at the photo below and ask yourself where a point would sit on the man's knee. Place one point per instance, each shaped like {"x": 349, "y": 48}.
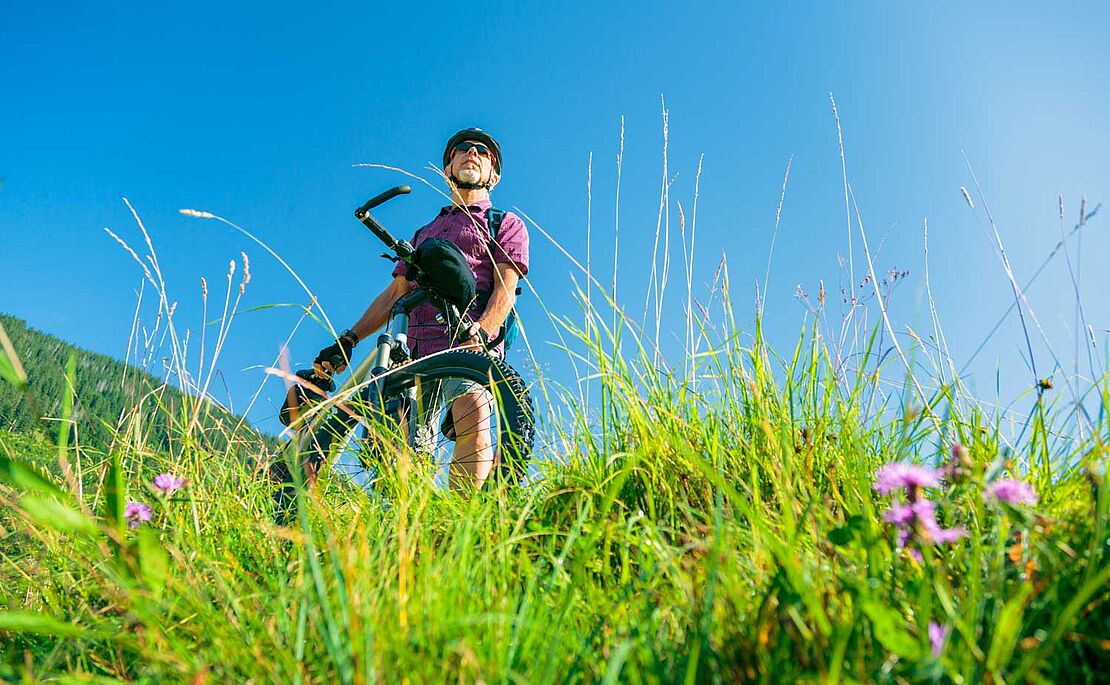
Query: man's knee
{"x": 471, "y": 409}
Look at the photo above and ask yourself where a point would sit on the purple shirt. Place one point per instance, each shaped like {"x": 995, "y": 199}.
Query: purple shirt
{"x": 467, "y": 227}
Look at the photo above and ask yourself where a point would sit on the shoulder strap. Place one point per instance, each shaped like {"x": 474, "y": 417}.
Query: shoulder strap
{"x": 495, "y": 217}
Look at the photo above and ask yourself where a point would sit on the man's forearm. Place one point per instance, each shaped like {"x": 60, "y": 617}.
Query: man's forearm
{"x": 497, "y": 310}
{"x": 377, "y": 314}
{"x": 501, "y": 300}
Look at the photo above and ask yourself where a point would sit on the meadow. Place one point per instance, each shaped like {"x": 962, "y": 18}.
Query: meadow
{"x": 829, "y": 513}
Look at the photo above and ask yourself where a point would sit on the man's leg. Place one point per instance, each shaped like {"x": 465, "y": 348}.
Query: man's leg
{"x": 422, "y": 424}
{"x": 284, "y": 494}
{"x": 472, "y": 462}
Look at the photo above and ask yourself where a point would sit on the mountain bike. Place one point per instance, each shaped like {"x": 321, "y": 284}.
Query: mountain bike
{"x": 399, "y": 401}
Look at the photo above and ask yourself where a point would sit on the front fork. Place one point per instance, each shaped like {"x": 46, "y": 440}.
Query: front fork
{"x": 394, "y": 339}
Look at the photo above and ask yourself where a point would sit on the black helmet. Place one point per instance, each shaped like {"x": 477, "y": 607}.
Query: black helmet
{"x": 476, "y": 134}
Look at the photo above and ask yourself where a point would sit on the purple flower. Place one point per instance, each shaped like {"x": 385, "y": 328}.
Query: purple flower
{"x": 916, "y": 554}
{"x": 899, "y": 514}
{"x": 937, "y": 635}
{"x": 917, "y": 520}
{"x": 909, "y": 476}
{"x": 167, "y": 483}
{"x": 926, "y": 517}
{"x": 904, "y": 535}
{"x": 1010, "y": 491}
{"x": 136, "y": 513}
{"x": 906, "y": 514}
{"x": 942, "y": 536}
{"x": 924, "y": 511}
{"x": 920, "y": 518}
{"x": 959, "y": 466}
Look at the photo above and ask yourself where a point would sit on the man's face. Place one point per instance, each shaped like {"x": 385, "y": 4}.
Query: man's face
{"x": 472, "y": 166}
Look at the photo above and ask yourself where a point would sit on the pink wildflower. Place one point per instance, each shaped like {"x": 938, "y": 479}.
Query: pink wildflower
{"x": 167, "y": 483}
{"x": 959, "y": 466}
{"x": 136, "y": 513}
{"x": 922, "y": 516}
{"x": 1010, "y": 491}
{"x": 904, "y": 536}
{"x": 909, "y": 476}
{"x": 942, "y": 536}
{"x": 916, "y": 520}
{"x": 937, "y": 635}
{"x": 899, "y": 514}
{"x": 922, "y": 510}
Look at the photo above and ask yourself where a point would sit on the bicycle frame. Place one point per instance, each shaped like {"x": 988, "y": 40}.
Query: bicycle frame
{"x": 319, "y": 435}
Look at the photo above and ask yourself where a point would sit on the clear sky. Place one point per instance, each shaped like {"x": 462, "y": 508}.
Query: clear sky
{"x": 258, "y": 112}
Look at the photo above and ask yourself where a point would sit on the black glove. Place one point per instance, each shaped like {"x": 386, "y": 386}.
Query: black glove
{"x": 337, "y": 355}
{"x": 322, "y": 382}
{"x": 299, "y": 395}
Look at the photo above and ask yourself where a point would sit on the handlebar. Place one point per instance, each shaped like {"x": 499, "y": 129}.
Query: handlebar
{"x": 381, "y": 199}
{"x": 400, "y": 247}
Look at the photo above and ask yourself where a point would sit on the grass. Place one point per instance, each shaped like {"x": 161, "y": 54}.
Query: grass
{"x": 729, "y": 534}
{"x": 715, "y": 523}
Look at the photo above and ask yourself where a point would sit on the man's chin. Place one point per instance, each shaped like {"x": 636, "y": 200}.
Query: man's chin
{"x": 468, "y": 177}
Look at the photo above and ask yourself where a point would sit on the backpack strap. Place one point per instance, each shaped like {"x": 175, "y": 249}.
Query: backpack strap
{"x": 495, "y": 217}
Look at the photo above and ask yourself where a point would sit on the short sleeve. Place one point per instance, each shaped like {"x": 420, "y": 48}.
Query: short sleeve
{"x": 512, "y": 243}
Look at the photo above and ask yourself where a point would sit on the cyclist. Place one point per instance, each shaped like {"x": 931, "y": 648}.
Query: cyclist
{"x": 472, "y": 166}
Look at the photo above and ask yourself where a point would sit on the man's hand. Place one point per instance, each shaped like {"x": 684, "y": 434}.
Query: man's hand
{"x": 477, "y": 336}
{"x": 335, "y": 357}
{"x": 501, "y": 300}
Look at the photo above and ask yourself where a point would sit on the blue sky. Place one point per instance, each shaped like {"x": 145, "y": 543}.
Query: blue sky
{"x": 257, "y": 112}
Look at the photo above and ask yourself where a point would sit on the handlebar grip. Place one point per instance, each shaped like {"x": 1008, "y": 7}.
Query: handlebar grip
{"x": 381, "y": 199}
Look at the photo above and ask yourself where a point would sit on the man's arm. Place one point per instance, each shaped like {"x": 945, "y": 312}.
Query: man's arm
{"x": 376, "y": 315}
{"x": 501, "y": 300}
{"x": 374, "y": 318}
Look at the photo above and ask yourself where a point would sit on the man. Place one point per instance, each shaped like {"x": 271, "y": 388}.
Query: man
{"x": 472, "y": 167}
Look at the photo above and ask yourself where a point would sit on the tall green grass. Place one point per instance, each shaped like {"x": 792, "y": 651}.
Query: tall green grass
{"x": 728, "y": 533}
{"x": 710, "y": 521}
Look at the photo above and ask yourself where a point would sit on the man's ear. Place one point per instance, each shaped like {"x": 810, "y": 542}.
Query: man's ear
{"x": 494, "y": 178}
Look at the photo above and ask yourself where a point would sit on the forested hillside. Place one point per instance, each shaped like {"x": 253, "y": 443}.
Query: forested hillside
{"x": 108, "y": 395}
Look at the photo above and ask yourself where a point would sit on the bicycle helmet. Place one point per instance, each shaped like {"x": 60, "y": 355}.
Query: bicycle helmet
{"x": 478, "y": 135}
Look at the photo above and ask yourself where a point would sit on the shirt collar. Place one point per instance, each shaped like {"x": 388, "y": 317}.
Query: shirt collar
{"x": 474, "y": 207}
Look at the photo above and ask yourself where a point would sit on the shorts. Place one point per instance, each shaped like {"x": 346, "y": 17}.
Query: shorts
{"x": 435, "y": 397}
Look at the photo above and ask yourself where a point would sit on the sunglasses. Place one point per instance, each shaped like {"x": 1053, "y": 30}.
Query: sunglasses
{"x": 465, "y": 147}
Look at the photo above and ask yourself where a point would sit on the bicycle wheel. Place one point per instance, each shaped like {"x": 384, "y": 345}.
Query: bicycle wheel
{"x": 460, "y": 407}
